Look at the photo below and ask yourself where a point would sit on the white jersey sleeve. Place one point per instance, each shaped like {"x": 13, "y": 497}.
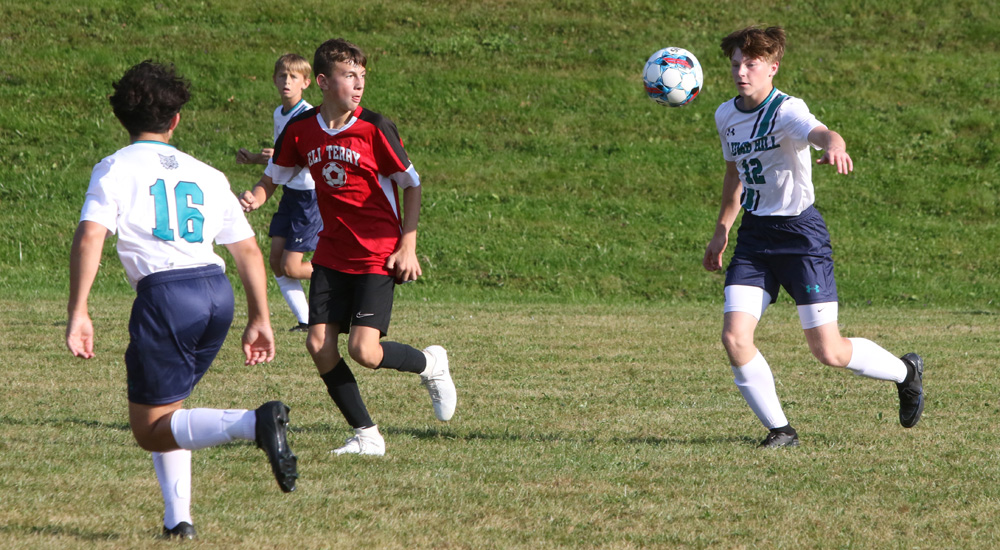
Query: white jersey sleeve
{"x": 166, "y": 207}
{"x": 770, "y": 146}
{"x": 295, "y": 179}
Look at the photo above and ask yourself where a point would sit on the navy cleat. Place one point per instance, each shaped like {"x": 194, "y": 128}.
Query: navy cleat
{"x": 911, "y": 391}
{"x": 776, "y": 439}
{"x": 182, "y": 531}
{"x": 272, "y": 437}
{"x": 301, "y": 327}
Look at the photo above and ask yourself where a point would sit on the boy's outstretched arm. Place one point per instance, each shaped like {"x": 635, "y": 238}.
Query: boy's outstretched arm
{"x": 84, "y": 261}
{"x": 731, "y": 190}
{"x": 258, "y": 338}
{"x": 403, "y": 262}
{"x": 834, "y": 149}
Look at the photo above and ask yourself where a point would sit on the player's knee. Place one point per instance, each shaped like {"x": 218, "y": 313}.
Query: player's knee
{"x": 831, "y": 357}
{"x": 148, "y": 441}
{"x": 735, "y": 342}
{"x": 366, "y": 356}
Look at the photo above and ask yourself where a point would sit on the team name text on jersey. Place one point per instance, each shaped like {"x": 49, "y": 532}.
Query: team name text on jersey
{"x": 333, "y": 152}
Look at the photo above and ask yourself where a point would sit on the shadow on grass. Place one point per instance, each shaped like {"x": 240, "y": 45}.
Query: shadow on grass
{"x": 562, "y": 437}
{"x": 62, "y": 422}
{"x": 56, "y": 531}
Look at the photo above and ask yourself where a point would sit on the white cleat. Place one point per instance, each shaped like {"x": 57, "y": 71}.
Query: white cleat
{"x": 366, "y": 441}
{"x": 437, "y": 379}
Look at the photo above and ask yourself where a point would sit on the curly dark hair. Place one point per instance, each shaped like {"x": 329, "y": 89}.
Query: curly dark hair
{"x": 148, "y": 96}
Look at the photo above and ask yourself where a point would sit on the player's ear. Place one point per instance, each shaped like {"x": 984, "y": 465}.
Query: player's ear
{"x": 175, "y": 121}
{"x": 774, "y": 68}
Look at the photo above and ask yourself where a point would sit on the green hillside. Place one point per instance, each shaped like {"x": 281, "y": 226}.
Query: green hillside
{"x": 548, "y": 174}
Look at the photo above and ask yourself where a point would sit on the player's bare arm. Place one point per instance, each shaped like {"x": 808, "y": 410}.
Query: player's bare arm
{"x": 258, "y": 338}
{"x": 244, "y": 156}
{"x": 731, "y": 189}
{"x": 85, "y": 259}
{"x": 834, "y": 149}
{"x": 255, "y": 198}
{"x": 403, "y": 261}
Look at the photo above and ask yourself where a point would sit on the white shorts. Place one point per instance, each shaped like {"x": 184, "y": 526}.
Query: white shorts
{"x": 754, "y": 300}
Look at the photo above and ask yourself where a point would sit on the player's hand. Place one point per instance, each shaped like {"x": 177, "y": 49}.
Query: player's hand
{"x": 266, "y": 153}
{"x": 244, "y": 156}
{"x": 258, "y": 344}
{"x": 80, "y": 336}
{"x": 248, "y": 202}
{"x": 713, "y": 253}
{"x": 404, "y": 265}
{"x": 838, "y": 158}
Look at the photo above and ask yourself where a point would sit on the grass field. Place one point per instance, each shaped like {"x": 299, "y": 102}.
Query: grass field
{"x": 577, "y": 426}
{"x": 564, "y": 223}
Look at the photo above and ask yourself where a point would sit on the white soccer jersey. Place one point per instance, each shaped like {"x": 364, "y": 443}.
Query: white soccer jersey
{"x": 166, "y": 207}
{"x": 770, "y": 146}
{"x": 303, "y": 180}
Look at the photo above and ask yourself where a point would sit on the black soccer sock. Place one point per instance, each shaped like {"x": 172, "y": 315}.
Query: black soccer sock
{"x": 343, "y": 388}
{"x": 402, "y": 358}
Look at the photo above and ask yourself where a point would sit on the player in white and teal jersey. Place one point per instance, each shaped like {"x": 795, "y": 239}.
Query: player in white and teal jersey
{"x": 295, "y": 227}
{"x": 167, "y": 209}
{"x": 783, "y": 241}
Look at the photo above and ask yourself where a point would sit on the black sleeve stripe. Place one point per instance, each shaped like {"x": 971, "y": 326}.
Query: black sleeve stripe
{"x": 388, "y": 129}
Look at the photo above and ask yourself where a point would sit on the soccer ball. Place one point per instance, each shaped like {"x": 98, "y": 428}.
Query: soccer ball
{"x": 672, "y": 77}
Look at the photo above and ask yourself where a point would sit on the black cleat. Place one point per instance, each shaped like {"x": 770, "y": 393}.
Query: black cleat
{"x": 301, "y": 327}
{"x": 911, "y": 391}
{"x": 182, "y": 531}
{"x": 777, "y": 439}
{"x": 272, "y": 436}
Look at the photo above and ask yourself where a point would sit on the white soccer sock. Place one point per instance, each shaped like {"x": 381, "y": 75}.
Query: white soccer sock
{"x": 195, "y": 429}
{"x": 756, "y": 383}
{"x": 872, "y": 361}
{"x": 173, "y": 471}
{"x": 291, "y": 290}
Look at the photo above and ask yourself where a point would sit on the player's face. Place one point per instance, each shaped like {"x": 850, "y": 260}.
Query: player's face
{"x": 290, "y": 84}
{"x": 752, "y": 77}
{"x": 344, "y": 86}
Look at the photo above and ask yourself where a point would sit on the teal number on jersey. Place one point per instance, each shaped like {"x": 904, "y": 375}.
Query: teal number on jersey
{"x": 752, "y": 175}
{"x": 750, "y": 199}
{"x": 190, "y": 220}
{"x": 752, "y": 169}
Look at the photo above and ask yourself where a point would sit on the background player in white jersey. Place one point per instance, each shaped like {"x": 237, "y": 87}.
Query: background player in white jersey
{"x": 167, "y": 208}
{"x": 295, "y": 226}
{"x": 782, "y": 240}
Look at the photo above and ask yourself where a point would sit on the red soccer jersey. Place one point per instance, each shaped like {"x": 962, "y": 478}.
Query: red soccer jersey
{"x": 357, "y": 170}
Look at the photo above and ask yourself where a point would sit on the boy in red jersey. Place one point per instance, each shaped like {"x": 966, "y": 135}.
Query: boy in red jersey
{"x": 366, "y": 246}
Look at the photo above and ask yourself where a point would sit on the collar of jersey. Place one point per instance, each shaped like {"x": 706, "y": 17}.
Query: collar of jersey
{"x": 153, "y": 142}
{"x": 293, "y": 109}
{"x": 770, "y": 96}
{"x": 335, "y": 131}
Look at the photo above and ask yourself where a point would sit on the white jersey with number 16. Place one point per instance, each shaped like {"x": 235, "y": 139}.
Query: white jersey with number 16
{"x": 166, "y": 206}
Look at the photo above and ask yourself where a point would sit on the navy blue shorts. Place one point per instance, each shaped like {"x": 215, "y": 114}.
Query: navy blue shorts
{"x": 792, "y": 252}
{"x": 297, "y": 220}
{"x": 180, "y": 318}
{"x": 346, "y": 299}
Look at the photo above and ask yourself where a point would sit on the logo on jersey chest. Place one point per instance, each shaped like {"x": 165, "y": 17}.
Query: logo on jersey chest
{"x": 334, "y": 175}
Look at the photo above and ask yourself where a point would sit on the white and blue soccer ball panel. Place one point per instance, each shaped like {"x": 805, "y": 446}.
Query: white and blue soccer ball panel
{"x": 672, "y": 76}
